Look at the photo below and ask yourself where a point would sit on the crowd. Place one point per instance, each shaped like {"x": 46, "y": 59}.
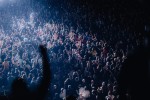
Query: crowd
{"x": 86, "y": 50}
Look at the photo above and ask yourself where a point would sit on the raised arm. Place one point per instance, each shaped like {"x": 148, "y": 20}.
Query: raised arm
{"x": 42, "y": 89}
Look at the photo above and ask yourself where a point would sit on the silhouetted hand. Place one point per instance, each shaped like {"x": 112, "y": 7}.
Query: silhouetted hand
{"x": 45, "y": 82}
{"x": 20, "y": 90}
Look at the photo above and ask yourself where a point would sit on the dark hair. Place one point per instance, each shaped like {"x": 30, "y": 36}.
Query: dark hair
{"x": 70, "y": 97}
{"x": 18, "y": 84}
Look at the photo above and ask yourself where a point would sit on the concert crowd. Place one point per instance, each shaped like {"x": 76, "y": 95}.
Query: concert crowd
{"x": 86, "y": 49}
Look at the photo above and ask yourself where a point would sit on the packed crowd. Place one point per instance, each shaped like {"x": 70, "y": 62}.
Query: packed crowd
{"x": 86, "y": 52}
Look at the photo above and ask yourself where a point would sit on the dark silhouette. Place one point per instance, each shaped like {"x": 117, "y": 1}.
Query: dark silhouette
{"x": 71, "y": 98}
{"x": 20, "y": 91}
{"x": 134, "y": 75}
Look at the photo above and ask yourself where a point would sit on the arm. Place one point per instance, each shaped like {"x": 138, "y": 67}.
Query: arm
{"x": 45, "y": 82}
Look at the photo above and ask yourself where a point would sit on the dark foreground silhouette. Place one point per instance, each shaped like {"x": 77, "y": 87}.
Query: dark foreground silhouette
{"x": 19, "y": 89}
{"x": 134, "y": 76}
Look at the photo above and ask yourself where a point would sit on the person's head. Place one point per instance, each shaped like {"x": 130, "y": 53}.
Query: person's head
{"x": 24, "y": 76}
{"x": 92, "y": 81}
{"x": 55, "y": 86}
{"x": 19, "y": 88}
{"x": 93, "y": 92}
{"x": 83, "y": 80}
{"x": 107, "y": 63}
{"x": 62, "y": 89}
{"x": 103, "y": 83}
{"x": 114, "y": 88}
{"x": 76, "y": 79}
{"x": 99, "y": 90}
{"x": 29, "y": 75}
{"x": 69, "y": 86}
